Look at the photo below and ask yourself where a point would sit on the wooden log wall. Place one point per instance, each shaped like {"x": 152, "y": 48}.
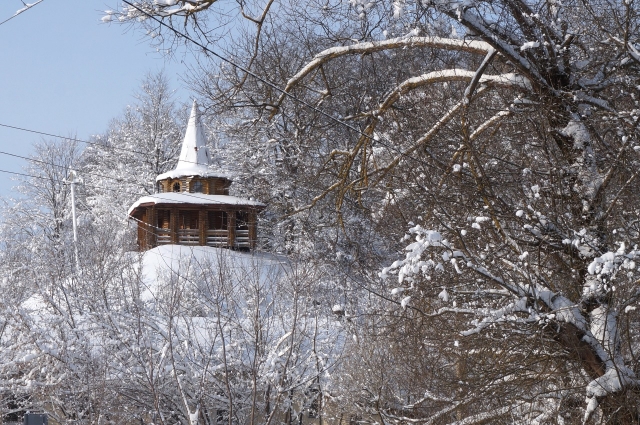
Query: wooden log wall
{"x": 163, "y": 224}
{"x": 210, "y": 185}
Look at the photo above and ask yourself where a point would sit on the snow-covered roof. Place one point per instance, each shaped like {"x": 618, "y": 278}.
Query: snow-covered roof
{"x": 194, "y": 157}
{"x": 193, "y": 198}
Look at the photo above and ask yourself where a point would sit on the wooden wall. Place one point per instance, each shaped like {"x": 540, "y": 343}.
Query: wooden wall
{"x": 210, "y": 185}
{"x": 163, "y": 224}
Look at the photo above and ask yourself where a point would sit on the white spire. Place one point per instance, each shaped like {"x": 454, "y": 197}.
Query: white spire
{"x": 194, "y": 155}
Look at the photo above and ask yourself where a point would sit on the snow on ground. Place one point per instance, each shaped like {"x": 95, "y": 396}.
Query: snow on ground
{"x": 178, "y": 260}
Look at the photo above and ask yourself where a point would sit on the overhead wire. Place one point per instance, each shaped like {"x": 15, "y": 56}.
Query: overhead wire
{"x": 74, "y": 139}
{"x": 118, "y": 179}
{"x": 26, "y": 158}
{"x": 84, "y": 172}
{"x": 157, "y": 195}
{"x": 23, "y": 174}
{"x": 87, "y": 172}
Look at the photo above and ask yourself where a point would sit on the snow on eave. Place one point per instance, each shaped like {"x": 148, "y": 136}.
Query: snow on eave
{"x": 195, "y": 199}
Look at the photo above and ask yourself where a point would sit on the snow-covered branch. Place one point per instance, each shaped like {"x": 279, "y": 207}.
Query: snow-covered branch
{"x": 469, "y": 46}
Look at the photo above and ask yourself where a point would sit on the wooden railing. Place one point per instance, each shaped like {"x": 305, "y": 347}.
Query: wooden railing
{"x": 189, "y": 237}
{"x": 219, "y": 238}
{"x": 163, "y": 236}
{"x": 242, "y": 239}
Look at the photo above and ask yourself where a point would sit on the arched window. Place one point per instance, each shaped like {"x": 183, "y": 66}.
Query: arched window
{"x": 197, "y": 186}
{"x": 176, "y": 187}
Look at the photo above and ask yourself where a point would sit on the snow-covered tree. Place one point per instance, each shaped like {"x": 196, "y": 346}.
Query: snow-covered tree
{"x": 176, "y": 335}
{"x": 122, "y": 164}
{"x": 507, "y": 132}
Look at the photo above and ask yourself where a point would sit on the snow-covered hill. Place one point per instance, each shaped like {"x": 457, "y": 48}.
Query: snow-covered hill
{"x": 202, "y": 329}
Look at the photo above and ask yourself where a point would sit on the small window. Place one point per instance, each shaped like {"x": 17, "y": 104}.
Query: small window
{"x": 176, "y": 187}
{"x": 160, "y": 187}
{"x": 197, "y": 186}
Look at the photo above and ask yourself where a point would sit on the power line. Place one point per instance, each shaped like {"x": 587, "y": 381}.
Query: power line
{"x": 23, "y": 174}
{"x": 118, "y": 189}
{"x": 83, "y": 171}
{"x": 158, "y": 195}
{"x": 57, "y": 165}
{"x": 73, "y": 139}
{"x": 24, "y": 9}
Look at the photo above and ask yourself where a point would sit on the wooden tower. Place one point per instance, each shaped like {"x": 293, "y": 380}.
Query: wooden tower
{"x": 192, "y": 205}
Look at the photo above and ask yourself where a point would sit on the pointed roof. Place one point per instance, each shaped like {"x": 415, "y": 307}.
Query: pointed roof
{"x": 194, "y": 148}
{"x": 194, "y": 156}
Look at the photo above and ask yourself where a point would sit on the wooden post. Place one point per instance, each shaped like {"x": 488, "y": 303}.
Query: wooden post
{"x": 143, "y": 230}
{"x": 253, "y": 229}
{"x": 202, "y": 224}
{"x": 141, "y": 236}
{"x": 174, "y": 225}
{"x": 152, "y": 220}
{"x": 231, "y": 228}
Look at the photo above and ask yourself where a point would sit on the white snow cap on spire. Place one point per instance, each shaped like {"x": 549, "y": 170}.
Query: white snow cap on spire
{"x": 194, "y": 148}
{"x": 194, "y": 157}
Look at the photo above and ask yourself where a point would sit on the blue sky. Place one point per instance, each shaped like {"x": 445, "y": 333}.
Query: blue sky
{"x": 63, "y": 71}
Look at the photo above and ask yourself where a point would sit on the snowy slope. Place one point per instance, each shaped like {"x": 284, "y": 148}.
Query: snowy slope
{"x": 165, "y": 261}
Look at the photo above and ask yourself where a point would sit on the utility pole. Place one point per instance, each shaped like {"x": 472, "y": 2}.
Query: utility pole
{"x": 72, "y": 180}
